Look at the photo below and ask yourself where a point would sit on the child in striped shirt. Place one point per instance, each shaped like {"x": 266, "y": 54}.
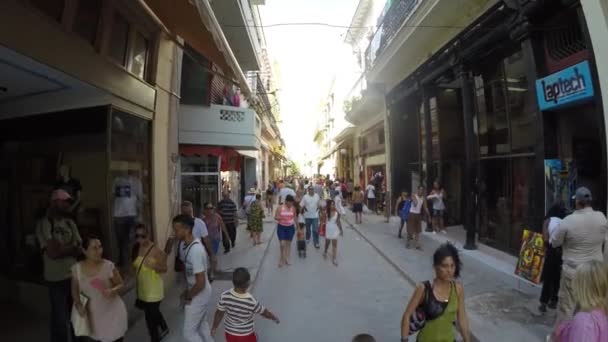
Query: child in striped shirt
{"x": 239, "y": 306}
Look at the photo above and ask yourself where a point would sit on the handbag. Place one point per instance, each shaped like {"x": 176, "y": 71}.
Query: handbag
{"x": 80, "y": 324}
{"x": 139, "y": 303}
{"x": 428, "y": 310}
{"x": 322, "y": 229}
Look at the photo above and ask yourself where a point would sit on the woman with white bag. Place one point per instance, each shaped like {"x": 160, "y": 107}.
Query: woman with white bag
{"x": 100, "y": 313}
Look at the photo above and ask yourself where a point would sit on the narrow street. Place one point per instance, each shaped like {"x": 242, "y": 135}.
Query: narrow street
{"x": 317, "y": 301}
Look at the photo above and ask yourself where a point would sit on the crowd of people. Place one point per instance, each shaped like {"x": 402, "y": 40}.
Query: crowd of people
{"x": 85, "y": 289}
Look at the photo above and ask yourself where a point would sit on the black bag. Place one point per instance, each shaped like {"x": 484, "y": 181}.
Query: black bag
{"x": 139, "y": 303}
{"x": 428, "y": 310}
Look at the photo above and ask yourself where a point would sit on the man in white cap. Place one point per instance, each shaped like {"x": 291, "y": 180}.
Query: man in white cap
{"x": 60, "y": 242}
{"x": 581, "y": 236}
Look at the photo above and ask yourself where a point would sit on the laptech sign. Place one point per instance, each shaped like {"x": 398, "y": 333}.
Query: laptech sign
{"x": 568, "y": 86}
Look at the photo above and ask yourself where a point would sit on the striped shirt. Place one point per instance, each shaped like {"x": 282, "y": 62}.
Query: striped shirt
{"x": 227, "y": 210}
{"x": 240, "y": 309}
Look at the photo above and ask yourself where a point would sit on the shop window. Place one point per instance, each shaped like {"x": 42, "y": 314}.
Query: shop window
{"x": 86, "y": 19}
{"x": 119, "y": 39}
{"x": 436, "y": 153}
{"x": 52, "y": 8}
{"x": 520, "y": 103}
{"x": 139, "y": 61}
{"x": 492, "y": 110}
{"x": 130, "y": 175}
{"x": 195, "y": 87}
{"x": 206, "y": 163}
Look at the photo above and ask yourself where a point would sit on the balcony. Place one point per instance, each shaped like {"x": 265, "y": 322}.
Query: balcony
{"x": 412, "y": 30}
{"x": 238, "y": 21}
{"x": 217, "y": 125}
{"x": 363, "y": 102}
{"x": 394, "y": 16}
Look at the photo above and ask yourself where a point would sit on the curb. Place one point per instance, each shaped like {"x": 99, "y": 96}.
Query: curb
{"x": 401, "y": 272}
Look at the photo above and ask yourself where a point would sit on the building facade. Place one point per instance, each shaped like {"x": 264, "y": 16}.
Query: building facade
{"x": 507, "y": 112}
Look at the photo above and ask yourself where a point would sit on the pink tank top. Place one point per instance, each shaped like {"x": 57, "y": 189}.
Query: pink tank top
{"x": 286, "y": 216}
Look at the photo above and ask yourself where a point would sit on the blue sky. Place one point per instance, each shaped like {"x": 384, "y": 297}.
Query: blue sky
{"x": 306, "y": 56}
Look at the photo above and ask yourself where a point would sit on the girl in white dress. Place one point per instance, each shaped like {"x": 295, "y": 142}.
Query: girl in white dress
{"x": 333, "y": 229}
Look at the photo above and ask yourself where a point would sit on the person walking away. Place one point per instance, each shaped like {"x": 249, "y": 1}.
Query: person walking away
{"x": 286, "y": 215}
{"x": 357, "y": 199}
{"x": 199, "y": 232}
{"x": 371, "y": 197}
{"x": 250, "y": 198}
{"x": 215, "y": 225}
{"x": 301, "y": 239}
{"x": 333, "y": 230}
{"x": 414, "y": 224}
{"x": 437, "y": 196}
{"x": 256, "y": 220}
{"x": 239, "y": 307}
{"x": 589, "y": 289}
{"x": 443, "y": 300}
{"x": 269, "y": 199}
{"x": 198, "y": 293}
{"x": 310, "y": 206}
{"x": 228, "y": 211}
{"x": 59, "y": 241}
{"x": 404, "y": 204}
{"x": 581, "y": 236}
{"x": 100, "y": 282}
{"x": 285, "y": 191}
{"x": 149, "y": 262}
{"x": 553, "y": 259}
{"x": 350, "y": 187}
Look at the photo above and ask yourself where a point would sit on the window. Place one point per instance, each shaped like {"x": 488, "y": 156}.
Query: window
{"x": 140, "y": 56}
{"x": 521, "y": 104}
{"x": 52, "y": 8}
{"x": 381, "y": 136}
{"x": 195, "y": 78}
{"x": 119, "y": 39}
{"x": 363, "y": 144}
{"x": 86, "y": 19}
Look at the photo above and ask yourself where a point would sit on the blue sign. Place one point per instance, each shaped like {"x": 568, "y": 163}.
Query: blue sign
{"x": 568, "y": 86}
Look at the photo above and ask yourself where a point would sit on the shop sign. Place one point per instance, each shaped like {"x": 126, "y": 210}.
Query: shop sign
{"x": 568, "y": 86}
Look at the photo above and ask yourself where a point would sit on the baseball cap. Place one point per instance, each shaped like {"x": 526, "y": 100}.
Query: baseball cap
{"x": 60, "y": 195}
{"x": 582, "y": 194}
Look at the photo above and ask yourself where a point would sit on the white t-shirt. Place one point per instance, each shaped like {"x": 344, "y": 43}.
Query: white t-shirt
{"x": 311, "y": 203}
{"x": 195, "y": 262}
{"x": 370, "y": 191}
{"x": 199, "y": 231}
{"x": 339, "y": 207}
{"x": 126, "y": 192}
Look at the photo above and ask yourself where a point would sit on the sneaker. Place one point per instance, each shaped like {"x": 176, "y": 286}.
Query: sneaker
{"x": 317, "y": 246}
{"x": 542, "y": 308}
{"x": 407, "y": 245}
{"x": 400, "y": 237}
{"x": 164, "y": 333}
{"x": 434, "y": 232}
{"x": 444, "y": 232}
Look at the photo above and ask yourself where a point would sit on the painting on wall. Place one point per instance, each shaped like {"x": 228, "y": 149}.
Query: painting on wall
{"x": 560, "y": 182}
{"x": 531, "y": 256}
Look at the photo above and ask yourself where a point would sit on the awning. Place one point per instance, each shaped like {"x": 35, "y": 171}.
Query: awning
{"x": 194, "y": 21}
{"x": 230, "y": 158}
{"x": 345, "y": 133}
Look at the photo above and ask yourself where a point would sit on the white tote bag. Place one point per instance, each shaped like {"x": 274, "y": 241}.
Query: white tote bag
{"x": 80, "y": 324}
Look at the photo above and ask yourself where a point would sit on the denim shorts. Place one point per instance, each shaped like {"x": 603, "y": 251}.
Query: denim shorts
{"x": 286, "y": 233}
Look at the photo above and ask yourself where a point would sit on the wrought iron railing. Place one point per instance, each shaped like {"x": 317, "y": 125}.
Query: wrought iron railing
{"x": 396, "y": 13}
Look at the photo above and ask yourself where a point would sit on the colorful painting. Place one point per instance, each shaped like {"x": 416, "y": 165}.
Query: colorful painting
{"x": 531, "y": 256}
{"x": 560, "y": 182}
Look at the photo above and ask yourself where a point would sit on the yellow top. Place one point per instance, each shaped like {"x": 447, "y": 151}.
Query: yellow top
{"x": 150, "y": 286}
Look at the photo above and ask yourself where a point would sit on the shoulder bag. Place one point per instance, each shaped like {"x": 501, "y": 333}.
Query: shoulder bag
{"x": 139, "y": 303}
{"x": 80, "y": 324}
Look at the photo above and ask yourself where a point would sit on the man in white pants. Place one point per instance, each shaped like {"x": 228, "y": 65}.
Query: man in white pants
{"x": 198, "y": 293}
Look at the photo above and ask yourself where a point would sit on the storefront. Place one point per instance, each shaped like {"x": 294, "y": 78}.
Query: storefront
{"x": 101, "y": 154}
{"x": 511, "y": 128}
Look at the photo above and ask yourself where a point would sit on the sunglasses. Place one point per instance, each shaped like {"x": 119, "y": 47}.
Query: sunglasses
{"x": 141, "y": 236}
